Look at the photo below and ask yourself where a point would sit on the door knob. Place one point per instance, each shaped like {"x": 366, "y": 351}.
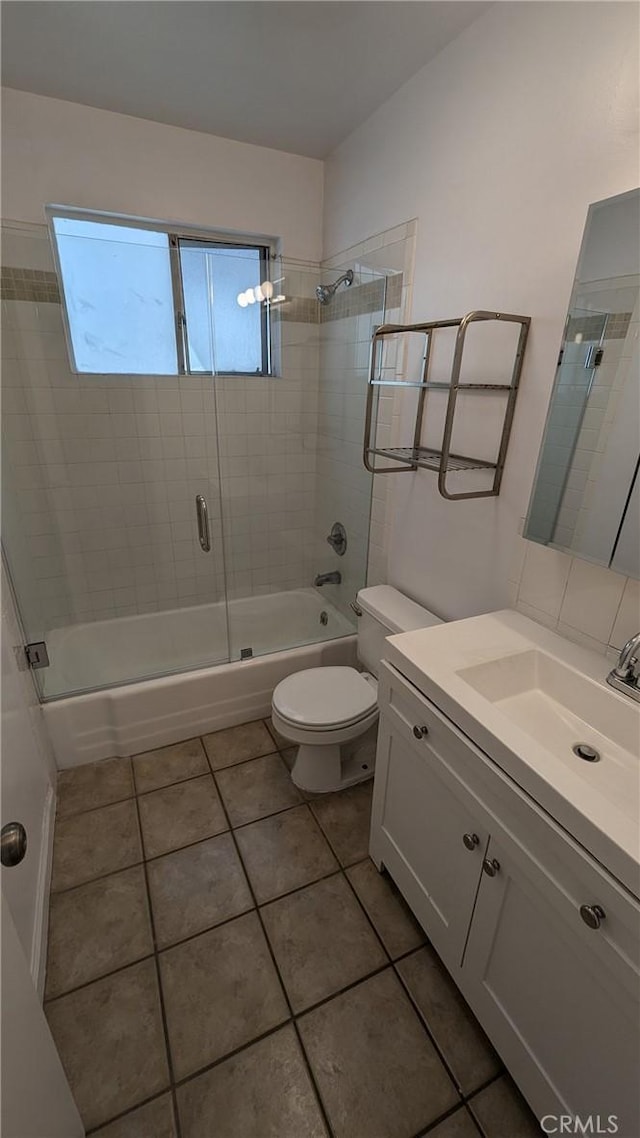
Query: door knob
{"x": 592, "y": 915}
{"x": 471, "y": 841}
{"x": 491, "y": 866}
{"x": 420, "y": 732}
{"x": 13, "y": 843}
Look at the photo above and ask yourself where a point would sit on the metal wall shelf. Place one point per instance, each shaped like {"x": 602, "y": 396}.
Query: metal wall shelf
{"x": 442, "y": 459}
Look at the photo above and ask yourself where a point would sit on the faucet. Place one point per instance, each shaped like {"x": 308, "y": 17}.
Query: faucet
{"x": 625, "y": 676}
{"x": 333, "y": 578}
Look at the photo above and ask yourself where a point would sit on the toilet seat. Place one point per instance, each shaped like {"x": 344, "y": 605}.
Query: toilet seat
{"x": 325, "y": 699}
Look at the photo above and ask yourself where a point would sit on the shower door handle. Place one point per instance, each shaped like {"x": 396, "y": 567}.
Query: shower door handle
{"x": 203, "y": 523}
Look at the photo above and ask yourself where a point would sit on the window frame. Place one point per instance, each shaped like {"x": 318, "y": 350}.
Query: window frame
{"x": 267, "y": 247}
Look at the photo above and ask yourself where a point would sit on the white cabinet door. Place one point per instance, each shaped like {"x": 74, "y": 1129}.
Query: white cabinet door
{"x": 423, "y": 821}
{"x": 558, "y": 999}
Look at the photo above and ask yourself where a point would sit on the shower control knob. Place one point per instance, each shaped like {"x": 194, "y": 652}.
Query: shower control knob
{"x": 471, "y": 841}
{"x": 592, "y": 915}
{"x": 420, "y": 731}
{"x": 491, "y": 866}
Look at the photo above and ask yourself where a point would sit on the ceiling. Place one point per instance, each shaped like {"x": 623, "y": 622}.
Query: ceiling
{"x": 297, "y": 75}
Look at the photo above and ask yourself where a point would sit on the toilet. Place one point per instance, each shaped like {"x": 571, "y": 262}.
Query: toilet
{"x": 332, "y": 713}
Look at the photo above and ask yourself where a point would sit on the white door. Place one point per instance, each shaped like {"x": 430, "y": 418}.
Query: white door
{"x": 28, "y": 775}
{"x": 36, "y": 1099}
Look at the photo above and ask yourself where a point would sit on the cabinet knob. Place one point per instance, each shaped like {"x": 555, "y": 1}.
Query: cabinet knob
{"x": 491, "y": 866}
{"x": 471, "y": 841}
{"x": 592, "y": 915}
{"x": 420, "y": 732}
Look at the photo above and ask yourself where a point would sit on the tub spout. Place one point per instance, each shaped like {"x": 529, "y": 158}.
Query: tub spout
{"x": 334, "y": 578}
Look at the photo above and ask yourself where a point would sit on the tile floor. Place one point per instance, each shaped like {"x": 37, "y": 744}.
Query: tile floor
{"x": 226, "y": 962}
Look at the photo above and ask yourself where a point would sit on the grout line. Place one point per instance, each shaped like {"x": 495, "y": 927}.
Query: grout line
{"x": 128, "y": 1111}
{"x": 94, "y": 809}
{"x": 163, "y": 1011}
{"x": 460, "y": 1108}
{"x": 314, "y": 1085}
{"x": 429, "y": 1033}
{"x": 487, "y": 1083}
{"x": 178, "y": 782}
{"x": 241, "y": 762}
{"x": 96, "y": 979}
{"x": 100, "y": 877}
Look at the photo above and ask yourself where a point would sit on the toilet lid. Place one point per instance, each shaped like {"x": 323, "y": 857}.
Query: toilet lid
{"x": 324, "y": 697}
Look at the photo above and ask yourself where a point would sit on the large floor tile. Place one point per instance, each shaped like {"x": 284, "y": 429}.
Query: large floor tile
{"x": 154, "y": 769}
{"x": 92, "y": 785}
{"x": 263, "y": 1092}
{"x": 393, "y": 920}
{"x": 501, "y": 1110}
{"x": 321, "y": 940}
{"x": 236, "y": 744}
{"x": 97, "y": 928}
{"x": 179, "y": 815}
{"x": 195, "y": 888}
{"x": 449, "y": 1019}
{"x": 284, "y": 852}
{"x": 345, "y": 818}
{"x": 93, "y": 844}
{"x": 376, "y": 1070}
{"x": 256, "y": 788}
{"x": 110, "y": 1039}
{"x": 220, "y": 990}
{"x": 154, "y": 1120}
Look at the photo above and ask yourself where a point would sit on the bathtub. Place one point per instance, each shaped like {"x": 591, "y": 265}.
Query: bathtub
{"x": 284, "y": 632}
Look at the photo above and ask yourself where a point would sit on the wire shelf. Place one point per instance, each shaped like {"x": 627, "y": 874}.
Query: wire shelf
{"x": 430, "y": 459}
{"x": 442, "y": 460}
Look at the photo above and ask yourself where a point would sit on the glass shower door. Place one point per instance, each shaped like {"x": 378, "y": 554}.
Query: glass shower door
{"x": 291, "y": 464}
{"x": 100, "y": 477}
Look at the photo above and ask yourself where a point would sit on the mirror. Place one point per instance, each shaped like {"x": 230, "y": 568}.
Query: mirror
{"x": 586, "y": 493}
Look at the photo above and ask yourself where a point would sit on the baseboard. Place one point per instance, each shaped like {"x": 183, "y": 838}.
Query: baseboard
{"x": 38, "y": 962}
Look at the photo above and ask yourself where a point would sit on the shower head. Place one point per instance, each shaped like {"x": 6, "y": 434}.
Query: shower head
{"x": 324, "y": 293}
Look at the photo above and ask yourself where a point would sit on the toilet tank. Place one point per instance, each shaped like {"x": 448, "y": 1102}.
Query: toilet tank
{"x": 386, "y": 611}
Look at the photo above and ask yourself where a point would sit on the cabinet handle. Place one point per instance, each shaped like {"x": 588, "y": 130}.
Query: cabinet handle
{"x": 471, "y": 841}
{"x": 592, "y": 915}
{"x": 491, "y": 866}
{"x": 420, "y": 732}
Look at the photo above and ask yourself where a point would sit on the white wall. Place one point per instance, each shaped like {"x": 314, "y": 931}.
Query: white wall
{"x": 54, "y": 151}
{"x": 497, "y": 147}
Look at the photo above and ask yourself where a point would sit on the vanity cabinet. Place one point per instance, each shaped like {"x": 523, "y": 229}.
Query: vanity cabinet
{"x": 498, "y": 887}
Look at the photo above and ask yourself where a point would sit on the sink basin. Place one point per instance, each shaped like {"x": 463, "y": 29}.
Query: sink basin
{"x": 561, "y": 708}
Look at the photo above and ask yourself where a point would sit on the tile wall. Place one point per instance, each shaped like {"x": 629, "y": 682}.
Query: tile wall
{"x": 587, "y": 603}
{"x": 101, "y": 473}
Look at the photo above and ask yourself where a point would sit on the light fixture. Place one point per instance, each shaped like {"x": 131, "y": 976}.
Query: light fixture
{"x": 242, "y": 299}
{"x": 250, "y": 296}
{"x": 267, "y": 290}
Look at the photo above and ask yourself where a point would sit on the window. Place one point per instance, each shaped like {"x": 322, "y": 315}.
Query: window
{"x": 145, "y": 300}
